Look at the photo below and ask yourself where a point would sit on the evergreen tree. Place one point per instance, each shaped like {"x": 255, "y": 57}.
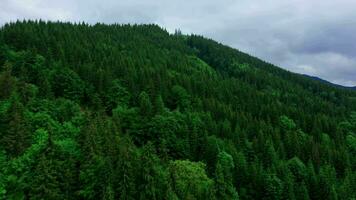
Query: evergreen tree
{"x": 145, "y": 104}
{"x": 223, "y": 173}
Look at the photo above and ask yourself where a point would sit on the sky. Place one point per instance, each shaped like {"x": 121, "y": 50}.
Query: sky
{"x": 314, "y": 37}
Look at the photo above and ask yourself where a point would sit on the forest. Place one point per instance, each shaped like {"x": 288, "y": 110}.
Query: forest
{"x": 130, "y": 112}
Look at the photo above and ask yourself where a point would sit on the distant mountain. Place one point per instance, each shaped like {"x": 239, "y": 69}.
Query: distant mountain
{"x": 329, "y": 83}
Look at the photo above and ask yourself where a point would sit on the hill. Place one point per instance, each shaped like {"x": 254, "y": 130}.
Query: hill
{"x": 327, "y": 82}
{"x": 133, "y": 112}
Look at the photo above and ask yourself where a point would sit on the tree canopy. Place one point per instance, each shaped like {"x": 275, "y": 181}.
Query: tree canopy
{"x": 134, "y": 112}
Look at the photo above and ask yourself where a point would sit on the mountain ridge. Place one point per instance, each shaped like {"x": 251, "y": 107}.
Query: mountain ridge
{"x": 328, "y": 82}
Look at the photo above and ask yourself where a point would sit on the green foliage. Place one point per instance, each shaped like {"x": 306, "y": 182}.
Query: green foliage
{"x": 153, "y": 176}
{"x": 298, "y": 169}
{"x": 223, "y": 173}
{"x": 145, "y": 104}
{"x": 117, "y": 95}
{"x": 199, "y": 65}
{"x": 134, "y": 112}
{"x": 66, "y": 83}
{"x": 93, "y": 178}
{"x": 3, "y": 162}
{"x": 351, "y": 143}
{"x": 181, "y": 97}
{"x": 190, "y": 181}
{"x": 7, "y": 82}
{"x": 286, "y": 123}
{"x": 14, "y": 128}
{"x": 159, "y": 106}
{"x": 274, "y": 187}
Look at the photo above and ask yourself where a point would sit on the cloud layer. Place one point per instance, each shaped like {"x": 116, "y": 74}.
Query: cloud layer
{"x": 312, "y": 37}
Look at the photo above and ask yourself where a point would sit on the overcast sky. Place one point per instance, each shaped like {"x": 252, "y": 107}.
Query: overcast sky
{"x": 314, "y": 37}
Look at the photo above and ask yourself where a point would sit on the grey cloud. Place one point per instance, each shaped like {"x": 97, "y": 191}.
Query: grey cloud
{"x": 11, "y": 10}
{"x": 334, "y": 37}
{"x": 312, "y": 37}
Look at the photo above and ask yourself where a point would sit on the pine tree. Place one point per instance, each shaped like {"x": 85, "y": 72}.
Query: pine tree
{"x": 16, "y": 137}
{"x": 153, "y": 178}
{"x": 274, "y": 187}
{"x": 145, "y": 105}
{"x": 159, "y": 105}
{"x": 45, "y": 183}
{"x": 301, "y": 192}
{"x": 223, "y": 174}
{"x": 7, "y": 82}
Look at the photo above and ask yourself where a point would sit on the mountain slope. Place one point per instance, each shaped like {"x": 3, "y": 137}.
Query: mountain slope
{"x": 329, "y": 83}
{"x": 133, "y": 112}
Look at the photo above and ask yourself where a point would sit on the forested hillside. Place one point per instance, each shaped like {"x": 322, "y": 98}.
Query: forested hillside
{"x": 133, "y": 112}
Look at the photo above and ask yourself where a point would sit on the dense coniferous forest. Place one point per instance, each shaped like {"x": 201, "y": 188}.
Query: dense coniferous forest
{"x": 134, "y": 112}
